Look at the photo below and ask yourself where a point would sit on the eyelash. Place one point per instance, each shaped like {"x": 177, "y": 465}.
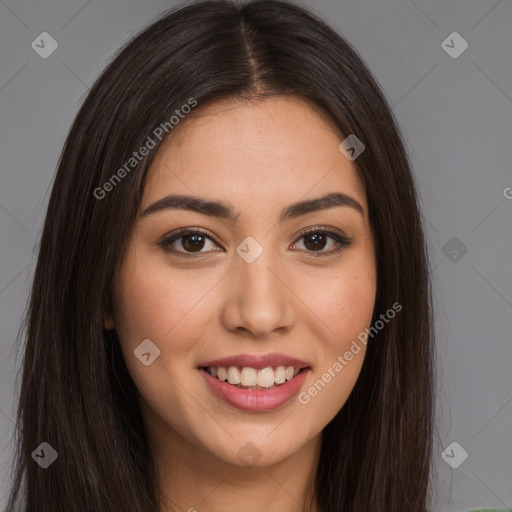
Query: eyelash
{"x": 342, "y": 241}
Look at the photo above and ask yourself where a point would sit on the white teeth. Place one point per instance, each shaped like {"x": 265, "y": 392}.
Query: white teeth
{"x": 279, "y": 375}
{"x": 250, "y": 377}
{"x": 265, "y": 377}
{"x": 233, "y": 375}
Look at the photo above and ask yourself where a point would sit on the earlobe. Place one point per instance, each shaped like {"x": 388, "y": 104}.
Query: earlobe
{"x": 108, "y": 324}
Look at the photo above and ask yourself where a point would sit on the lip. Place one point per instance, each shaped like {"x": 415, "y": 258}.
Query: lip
{"x": 252, "y": 399}
{"x": 256, "y": 362}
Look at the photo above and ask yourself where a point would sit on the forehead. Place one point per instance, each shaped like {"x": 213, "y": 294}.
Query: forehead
{"x": 254, "y": 154}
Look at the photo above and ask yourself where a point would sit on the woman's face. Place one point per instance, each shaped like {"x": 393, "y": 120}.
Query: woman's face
{"x": 250, "y": 286}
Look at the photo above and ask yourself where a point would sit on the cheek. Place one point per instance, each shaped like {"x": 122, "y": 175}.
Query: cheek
{"x": 356, "y": 299}
{"x": 348, "y": 312}
{"x": 142, "y": 310}
{"x": 169, "y": 308}
{"x": 145, "y": 301}
{"x": 153, "y": 303}
{"x": 345, "y": 304}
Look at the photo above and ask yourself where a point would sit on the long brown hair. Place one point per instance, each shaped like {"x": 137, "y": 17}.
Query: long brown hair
{"x": 76, "y": 393}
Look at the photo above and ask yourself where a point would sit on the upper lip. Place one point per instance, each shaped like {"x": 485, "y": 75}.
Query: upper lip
{"x": 256, "y": 362}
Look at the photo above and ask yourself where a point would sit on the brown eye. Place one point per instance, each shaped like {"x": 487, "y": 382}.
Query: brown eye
{"x": 192, "y": 241}
{"x": 315, "y": 241}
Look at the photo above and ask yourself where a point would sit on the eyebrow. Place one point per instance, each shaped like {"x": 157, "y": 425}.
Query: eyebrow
{"x": 226, "y": 210}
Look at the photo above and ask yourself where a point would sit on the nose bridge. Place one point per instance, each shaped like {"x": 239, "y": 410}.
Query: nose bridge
{"x": 258, "y": 278}
{"x": 263, "y": 302}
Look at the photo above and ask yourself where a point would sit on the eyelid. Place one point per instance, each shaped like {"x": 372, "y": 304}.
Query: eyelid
{"x": 326, "y": 229}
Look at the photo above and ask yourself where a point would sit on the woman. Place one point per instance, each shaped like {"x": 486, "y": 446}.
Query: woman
{"x": 231, "y": 306}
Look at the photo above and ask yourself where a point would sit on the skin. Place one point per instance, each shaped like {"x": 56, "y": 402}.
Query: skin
{"x": 259, "y": 156}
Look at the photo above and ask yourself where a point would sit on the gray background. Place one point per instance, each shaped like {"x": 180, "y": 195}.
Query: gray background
{"x": 456, "y": 114}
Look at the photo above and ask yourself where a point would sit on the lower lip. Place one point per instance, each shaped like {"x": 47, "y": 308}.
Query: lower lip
{"x": 253, "y": 399}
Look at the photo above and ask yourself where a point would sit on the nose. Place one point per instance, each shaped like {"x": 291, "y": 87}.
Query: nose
{"x": 259, "y": 297}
